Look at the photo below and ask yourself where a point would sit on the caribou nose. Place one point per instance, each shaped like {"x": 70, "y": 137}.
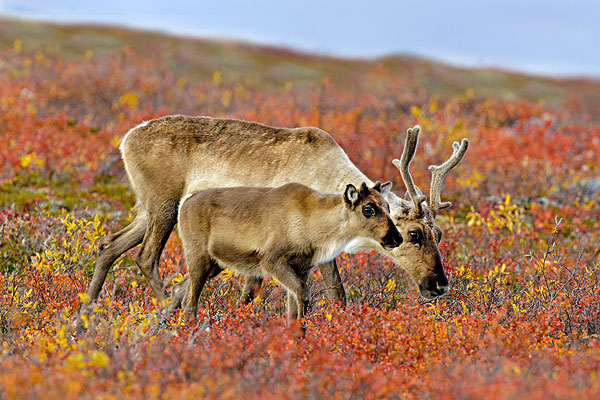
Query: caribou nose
{"x": 396, "y": 239}
{"x": 434, "y": 286}
{"x": 442, "y": 289}
{"x": 392, "y": 239}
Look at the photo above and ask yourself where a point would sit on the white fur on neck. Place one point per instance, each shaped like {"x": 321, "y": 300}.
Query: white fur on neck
{"x": 335, "y": 242}
{"x": 356, "y": 244}
{"x": 360, "y": 243}
{"x": 329, "y": 251}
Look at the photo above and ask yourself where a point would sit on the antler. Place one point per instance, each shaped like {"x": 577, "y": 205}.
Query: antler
{"x": 410, "y": 147}
{"x": 438, "y": 172}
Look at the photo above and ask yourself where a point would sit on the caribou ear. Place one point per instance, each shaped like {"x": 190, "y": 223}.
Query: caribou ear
{"x": 351, "y": 196}
{"x": 386, "y": 188}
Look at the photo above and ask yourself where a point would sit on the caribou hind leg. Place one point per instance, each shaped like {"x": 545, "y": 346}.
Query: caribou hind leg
{"x": 110, "y": 248}
{"x": 180, "y": 289}
{"x": 201, "y": 269}
{"x": 160, "y": 225}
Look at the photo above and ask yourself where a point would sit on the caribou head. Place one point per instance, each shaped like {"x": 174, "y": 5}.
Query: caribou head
{"x": 414, "y": 217}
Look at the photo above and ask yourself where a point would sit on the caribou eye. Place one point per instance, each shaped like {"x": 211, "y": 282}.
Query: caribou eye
{"x": 368, "y": 211}
{"x": 415, "y": 236}
{"x": 439, "y": 235}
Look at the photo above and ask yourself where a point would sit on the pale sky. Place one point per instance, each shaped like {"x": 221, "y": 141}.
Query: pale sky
{"x": 547, "y": 37}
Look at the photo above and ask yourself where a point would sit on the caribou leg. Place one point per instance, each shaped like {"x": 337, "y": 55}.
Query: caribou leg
{"x": 180, "y": 289}
{"x": 160, "y": 225}
{"x": 333, "y": 281}
{"x": 110, "y": 248}
{"x": 251, "y": 288}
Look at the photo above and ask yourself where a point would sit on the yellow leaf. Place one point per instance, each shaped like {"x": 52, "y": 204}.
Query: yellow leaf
{"x": 25, "y": 160}
{"x": 128, "y": 98}
{"x": 217, "y": 77}
{"x": 178, "y": 278}
{"x": 391, "y": 284}
{"x": 98, "y": 359}
{"x": 83, "y": 297}
{"x": 31, "y": 109}
{"x": 517, "y": 370}
{"x": 115, "y": 141}
{"x": 226, "y": 100}
{"x": 433, "y": 104}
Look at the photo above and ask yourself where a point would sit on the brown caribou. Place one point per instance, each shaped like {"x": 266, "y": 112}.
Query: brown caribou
{"x": 281, "y": 232}
{"x": 170, "y": 157}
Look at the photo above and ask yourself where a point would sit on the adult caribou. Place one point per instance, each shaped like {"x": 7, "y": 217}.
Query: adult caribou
{"x": 170, "y": 157}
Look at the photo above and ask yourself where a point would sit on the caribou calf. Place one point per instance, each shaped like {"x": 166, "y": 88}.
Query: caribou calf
{"x": 281, "y": 232}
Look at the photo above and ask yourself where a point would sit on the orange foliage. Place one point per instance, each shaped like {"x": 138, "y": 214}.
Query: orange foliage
{"x": 521, "y": 321}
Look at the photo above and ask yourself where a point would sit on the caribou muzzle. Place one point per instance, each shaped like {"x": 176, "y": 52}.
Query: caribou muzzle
{"x": 392, "y": 238}
{"x": 434, "y": 286}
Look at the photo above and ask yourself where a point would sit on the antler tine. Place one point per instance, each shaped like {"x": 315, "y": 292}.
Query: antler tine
{"x": 410, "y": 147}
{"x": 438, "y": 172}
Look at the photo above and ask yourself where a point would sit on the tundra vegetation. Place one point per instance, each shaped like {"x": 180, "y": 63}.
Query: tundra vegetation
{"x": 520, "y": 245}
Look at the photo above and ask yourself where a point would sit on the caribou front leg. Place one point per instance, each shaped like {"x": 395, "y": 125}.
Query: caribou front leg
{"x": 333, "y": 281}
{"x": 251, "y": 289}
{"x": 283, "y": 272}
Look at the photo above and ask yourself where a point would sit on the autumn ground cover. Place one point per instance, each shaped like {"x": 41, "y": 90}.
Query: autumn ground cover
{"x": 520, "y": 246}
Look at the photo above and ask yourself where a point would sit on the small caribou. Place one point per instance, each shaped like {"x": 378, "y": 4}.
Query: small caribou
{"x": 170, "y": 157}
{"x": 280, "y": 232}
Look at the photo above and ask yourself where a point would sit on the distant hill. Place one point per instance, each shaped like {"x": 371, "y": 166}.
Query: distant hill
{"x": 243, "y": 62}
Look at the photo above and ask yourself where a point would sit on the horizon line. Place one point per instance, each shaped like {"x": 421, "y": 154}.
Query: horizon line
{"x": 454, "y": 62}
